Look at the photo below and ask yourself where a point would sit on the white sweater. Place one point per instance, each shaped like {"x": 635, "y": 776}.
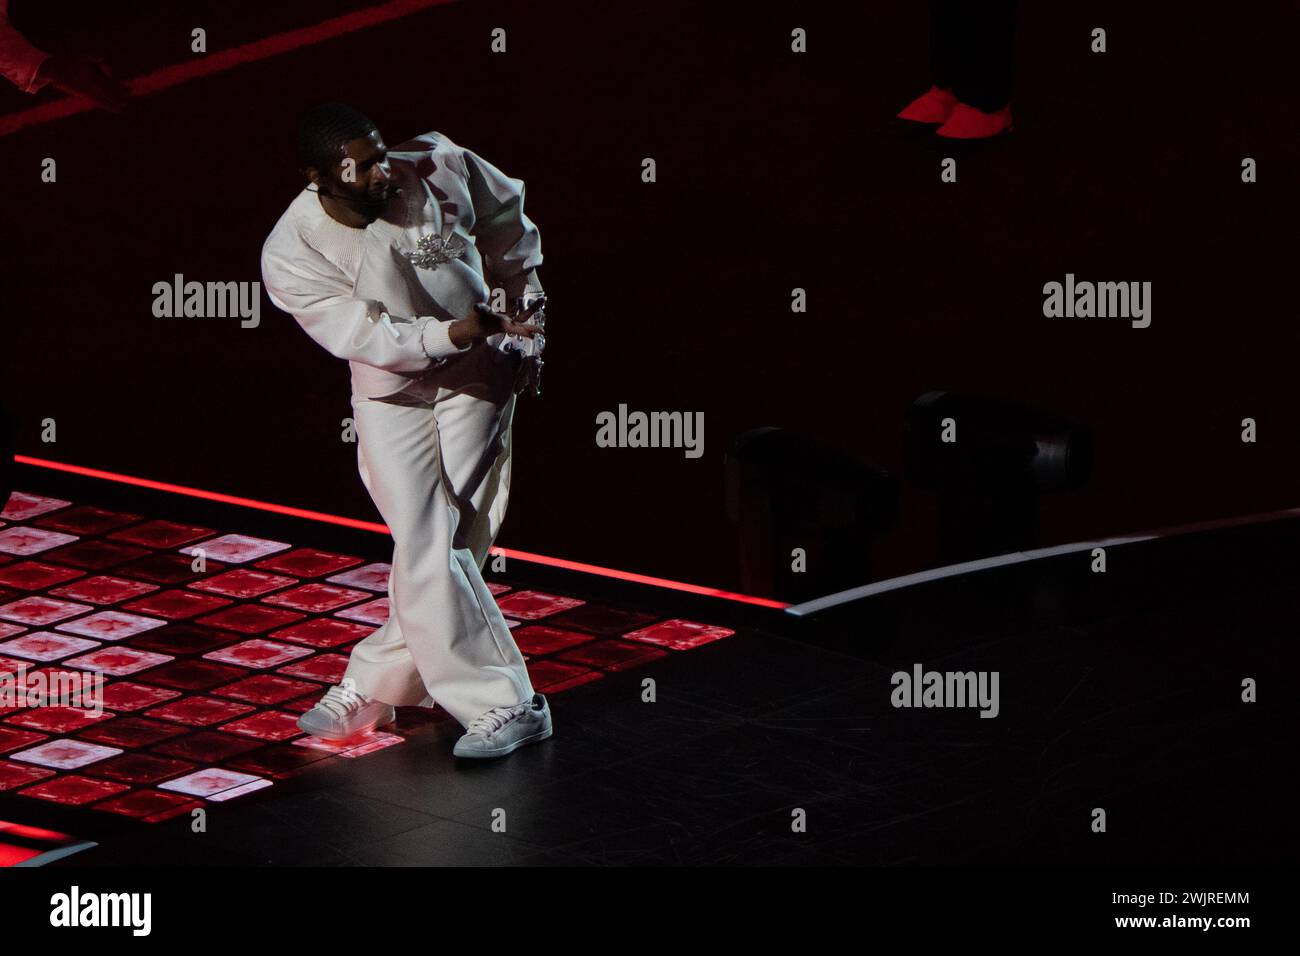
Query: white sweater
{"x": 338, "y": 282}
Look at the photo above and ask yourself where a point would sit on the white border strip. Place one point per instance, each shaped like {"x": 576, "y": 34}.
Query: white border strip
{"x": 1023, "y": 557}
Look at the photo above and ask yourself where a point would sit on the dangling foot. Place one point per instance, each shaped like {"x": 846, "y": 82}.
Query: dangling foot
{"x": 966, "y": 122}
{"x": 931, "y": 107}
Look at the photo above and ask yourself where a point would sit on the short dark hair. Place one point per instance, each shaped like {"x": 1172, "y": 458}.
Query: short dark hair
{"x": 325, "y": 130}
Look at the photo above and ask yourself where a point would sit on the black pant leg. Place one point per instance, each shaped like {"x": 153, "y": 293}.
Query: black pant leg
{"x": 945, "y": 39}
{"x": 975, "y": 48}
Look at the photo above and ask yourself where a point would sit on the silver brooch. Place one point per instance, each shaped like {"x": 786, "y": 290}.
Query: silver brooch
{"x": 435, "y": 250}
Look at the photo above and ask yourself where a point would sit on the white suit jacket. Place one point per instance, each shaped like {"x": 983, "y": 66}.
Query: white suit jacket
{"x": 336, "y": 281}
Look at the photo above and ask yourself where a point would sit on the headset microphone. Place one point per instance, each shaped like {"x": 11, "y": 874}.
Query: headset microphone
{"x": 396, "y": 191}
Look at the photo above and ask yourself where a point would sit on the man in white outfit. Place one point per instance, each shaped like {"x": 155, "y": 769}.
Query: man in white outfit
{"x": 389, "y": 259}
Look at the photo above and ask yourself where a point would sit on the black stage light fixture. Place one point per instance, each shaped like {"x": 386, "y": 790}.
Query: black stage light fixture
{"x": 990, "y": 459}
{"x": 786, "y": 492}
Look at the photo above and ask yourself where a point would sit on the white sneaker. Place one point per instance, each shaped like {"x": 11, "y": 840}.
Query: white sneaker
{"x": 343, "y": 713}
{"x": 503, "y": 730}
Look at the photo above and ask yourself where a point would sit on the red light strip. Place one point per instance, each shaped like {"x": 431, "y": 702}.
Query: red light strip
{"x": 201, "y": 493}
{"x": 383, "y": 529}
{"x": 223, "y": 60}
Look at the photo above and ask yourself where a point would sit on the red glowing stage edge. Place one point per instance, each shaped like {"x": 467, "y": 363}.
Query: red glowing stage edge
{"x": 346, "y": 522}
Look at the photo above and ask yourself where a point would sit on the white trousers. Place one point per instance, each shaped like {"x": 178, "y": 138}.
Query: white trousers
{"x": 436, "y": 462}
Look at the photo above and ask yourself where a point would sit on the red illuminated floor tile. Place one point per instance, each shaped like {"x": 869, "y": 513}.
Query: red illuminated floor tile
{"x": 267, "y": 689}
{"x": 206, "y": 746}
{"x": 235, "y": 792}
{"x": 270, "y": 725}
{"x": 328, "y": 668}
{"x": 372, "y": 577}
{"x": 380, "y": 742}
{"x": 303, "y": 704}
{"x": 181, "y": 639}
{"x": 64, "y": 754}
{"x": 74, "y": 789}
{"x": 45, "y": 646}
{"x": 244, "y": 583}
{"x": 532, "y": 605}
{"x": 539, "y": 639}
{"x": 131, "y": 732}
{"x": 604, "y": 619}
{"x": 168, "y": 814}
{"x": 323, "y": 632}
{"x": 95, "y": 554}
{"x": 118, "y": 661}
{"x": 14, "y": 775}
{"x": 358, "y": 746}
{"x": 22, "y": 540}
{"x": 111, "y": 625}
{"x": 153, "y": 805}
{"x": 251, "y": 618}
{"x": 143, "y": 769}
{"x": 129, "y": 695}
{"x": 103, "y": 589}
{"x": 55, "y": 684}
{"x": 258, "y": 653}
{"x": 372, "y": 613}
{"x": 162, "y": 534}
{"x": 36, "y": 575}
{"x": 23, "y": 506}
{"x": 193, "y": 675}
{"x": 14, "y": 738}
{"x": 496, "y": 587}
{"x": 38, "y": 611}
{"x": 308, "y": 562}
{"x": 209, "y": 782}
{"x": 57, "y": 720}
{"x": 167, "y": 569}
{"x": 317, "y": 598}
{"x": 679, "y": 635}
{"x": 551, "y": 677}
{"x": 200, "y": 711}
{"x": 8, "y": 630}
{"x": 235, "y": 548}
{"x": 86, "y": 519}
{"x": 612, "y": 655}
{"x": 277, "y": 760}
{"x": 177, "y": 605}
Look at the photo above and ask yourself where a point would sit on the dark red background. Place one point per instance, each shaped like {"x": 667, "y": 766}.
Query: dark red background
{"x": 774, "y": 171}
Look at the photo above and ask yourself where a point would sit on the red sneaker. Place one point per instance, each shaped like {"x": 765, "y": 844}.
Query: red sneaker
{"x": 932, "y": 106}
{"x": 966, "y": 122}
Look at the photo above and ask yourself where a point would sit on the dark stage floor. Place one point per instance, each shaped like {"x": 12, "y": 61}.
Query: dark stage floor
{"x": 1122, "y": 693}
